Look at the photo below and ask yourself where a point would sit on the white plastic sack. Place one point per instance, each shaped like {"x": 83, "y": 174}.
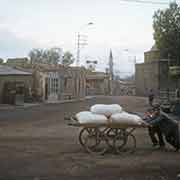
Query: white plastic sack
{"x": 106, "y": 109}
{"x": 125, "y": 118}
{"x": 86, "y": 117}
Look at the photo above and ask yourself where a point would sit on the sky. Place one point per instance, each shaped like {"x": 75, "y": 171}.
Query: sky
{"x": 123, "y": 27}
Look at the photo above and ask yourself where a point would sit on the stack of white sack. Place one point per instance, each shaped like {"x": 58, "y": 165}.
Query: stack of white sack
{"x": 105, "y": 114}
{"x": 126, "y": 119}
{"x": 86, "y": 117}
{"x": 106, "y": 109}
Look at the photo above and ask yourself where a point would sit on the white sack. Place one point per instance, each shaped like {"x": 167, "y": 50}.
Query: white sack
{"x": 86, "y": 117}
{"x": 106, "y": 109}
{"x": 125, "y": 118}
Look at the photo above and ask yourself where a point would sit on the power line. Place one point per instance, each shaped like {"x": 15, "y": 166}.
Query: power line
{"x": 148, "y": 2}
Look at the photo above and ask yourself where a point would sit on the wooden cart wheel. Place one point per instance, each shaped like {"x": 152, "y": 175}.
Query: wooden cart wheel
{"x": 120, "y": 139}
{"x": 86, "y": 132}
{"x": 129, "y": 145}
{"x": 111, "y": 134}
{"x": 96, "y": 143}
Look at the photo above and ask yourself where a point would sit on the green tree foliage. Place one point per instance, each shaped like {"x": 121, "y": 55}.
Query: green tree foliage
{"x": 166, "y": 24}
{"x": 48, "y": 56}
{"x": 1, "y": 61}
{"x": 67, "y": 58}
{"x": 36, "y": 56}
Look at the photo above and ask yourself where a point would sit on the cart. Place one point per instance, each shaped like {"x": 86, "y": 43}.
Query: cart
{"x": 99, "y": 138}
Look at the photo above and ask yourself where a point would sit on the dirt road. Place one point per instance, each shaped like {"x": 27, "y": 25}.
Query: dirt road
{"x": 37, "y": 144}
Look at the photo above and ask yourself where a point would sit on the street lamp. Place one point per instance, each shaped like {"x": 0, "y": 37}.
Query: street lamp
{"x": 81, "y": 41}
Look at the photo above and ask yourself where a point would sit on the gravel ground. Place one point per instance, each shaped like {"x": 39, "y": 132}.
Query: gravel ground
{"x": 37, "y": 144}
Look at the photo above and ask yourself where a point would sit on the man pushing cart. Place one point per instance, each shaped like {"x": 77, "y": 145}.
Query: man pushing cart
{"x": 110, "y": 127}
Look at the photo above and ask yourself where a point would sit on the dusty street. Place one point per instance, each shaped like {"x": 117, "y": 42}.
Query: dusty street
{"x": 37, "y": 144}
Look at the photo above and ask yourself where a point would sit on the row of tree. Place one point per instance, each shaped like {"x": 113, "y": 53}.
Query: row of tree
{"x": 51, "y": 56}
{"x": 48, "y": 56}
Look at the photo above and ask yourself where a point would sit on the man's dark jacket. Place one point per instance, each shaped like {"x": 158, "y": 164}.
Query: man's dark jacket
{"x": 168, "y": 127}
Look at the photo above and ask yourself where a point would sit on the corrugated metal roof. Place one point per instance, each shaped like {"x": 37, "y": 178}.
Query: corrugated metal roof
{"x": 7, "y": 70}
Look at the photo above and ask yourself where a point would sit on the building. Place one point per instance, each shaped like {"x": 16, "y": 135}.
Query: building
{"x": 13, "y": 62}
{"x": 123, "y": 88}
{"x": 57, "y": 82}
{"x": 14, "y": 84}
{"x": 53, "y": 82}
{"x": 155, "y": 73}
{"x": 97, "y": 83}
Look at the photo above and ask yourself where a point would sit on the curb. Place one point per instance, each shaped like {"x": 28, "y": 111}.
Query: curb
{"x": 11, "y": 107}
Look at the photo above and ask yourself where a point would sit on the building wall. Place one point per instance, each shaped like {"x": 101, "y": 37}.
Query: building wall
{"x": 97, "y": 83}
{"x": 146, "y": 77}
{"x": 122, "y": 89}
{"x": 26, "y": 79}
{"x": 96, "y": 87}
{"x": 60, "y": 84}
{"x": 75, "y": 82}
{"x": 150, "y": 56}
{"x": 154, "y": 75}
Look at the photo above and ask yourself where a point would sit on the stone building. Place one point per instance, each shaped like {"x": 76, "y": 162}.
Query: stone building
{"x": 64, "y": 83}
{"x": 97, "y": 83}
{"x": 14, "y": 84}
{"x": 155, "y": 73}
{"x": 53, "y": 82}
{"x": 123, "y": 88}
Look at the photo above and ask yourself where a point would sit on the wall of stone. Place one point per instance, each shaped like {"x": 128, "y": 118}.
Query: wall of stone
{"x": 75, "y": 82}
{"x": 150, "y": 56}
{"x": 26, "y": 79}
{"x": 154, "y": 75}
{"x": 146, "y": 77}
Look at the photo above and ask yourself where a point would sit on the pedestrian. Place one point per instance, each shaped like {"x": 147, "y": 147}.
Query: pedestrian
{"x": 177, "y": 94}
{"x": 151, "y": 97}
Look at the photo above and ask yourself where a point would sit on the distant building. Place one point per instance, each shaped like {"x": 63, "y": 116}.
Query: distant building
{"x": 17, "y": 61}
{"x": 155, "y": 73}
{"x": 123, "y": 88}
{"x": 54, "y": 83}
{"x": 97, "y": 83}
{"x": 14, "y": 84}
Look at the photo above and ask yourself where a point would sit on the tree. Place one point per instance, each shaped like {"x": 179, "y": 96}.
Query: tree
{"x": 67, "y": 58}
{"x": 1, "y": 61}
{"x": 53, "y": 55}
{"x": 47, "y": 56}
{"x": 166, "y": 24}
{"x": 36, "y": 56}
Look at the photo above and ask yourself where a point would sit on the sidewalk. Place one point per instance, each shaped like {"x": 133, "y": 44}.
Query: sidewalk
{"x": 29, "y": 105}
{"x": 11, "y": 107}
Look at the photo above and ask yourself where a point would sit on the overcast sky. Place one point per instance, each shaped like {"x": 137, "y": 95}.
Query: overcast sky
{"x": 27, "y": 24}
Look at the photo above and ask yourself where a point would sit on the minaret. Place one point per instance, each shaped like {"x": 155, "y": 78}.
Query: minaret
{"x": 111, "y": 65}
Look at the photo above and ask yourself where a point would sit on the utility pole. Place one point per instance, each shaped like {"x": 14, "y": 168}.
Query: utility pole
{"x": 134, "y": 69}
{"x": 78, "y": 50}
{"x": 81, "y": 41}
